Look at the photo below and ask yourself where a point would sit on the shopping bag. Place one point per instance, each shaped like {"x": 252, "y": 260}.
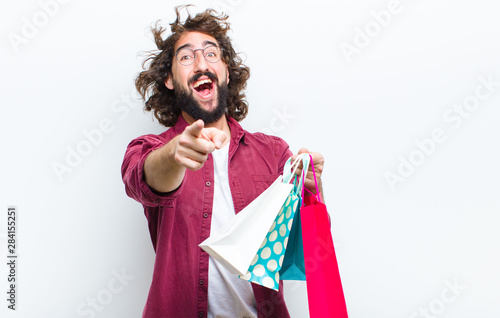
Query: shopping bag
{"x": 265, "y": 266}
{"x": 235, "y": 244}
{"x": 324, "y": 287}
{"x": 267, "y": 262}
{"x": 293, "y": 267}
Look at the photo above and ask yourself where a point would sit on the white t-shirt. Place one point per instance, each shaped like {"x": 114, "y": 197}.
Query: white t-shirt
{"x": 228, "y": 295}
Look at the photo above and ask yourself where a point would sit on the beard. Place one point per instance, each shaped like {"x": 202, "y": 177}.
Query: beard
{"x": 185, "y": 101}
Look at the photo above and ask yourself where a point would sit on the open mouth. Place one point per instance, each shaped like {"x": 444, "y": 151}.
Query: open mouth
{"x": 203, "y": 87}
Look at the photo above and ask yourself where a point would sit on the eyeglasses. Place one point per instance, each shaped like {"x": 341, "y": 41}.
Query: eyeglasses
{"x": 186, "y": 56}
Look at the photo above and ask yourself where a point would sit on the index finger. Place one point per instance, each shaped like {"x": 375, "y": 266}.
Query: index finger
{"x": 301, "y": 151}
{"x": 196, "y": 128}
{"x": 218, "y": 137}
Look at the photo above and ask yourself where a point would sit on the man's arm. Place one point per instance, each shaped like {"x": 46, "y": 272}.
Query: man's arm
{"x": 165, "y": 167}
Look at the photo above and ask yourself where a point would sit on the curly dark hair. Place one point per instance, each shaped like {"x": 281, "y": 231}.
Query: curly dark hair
{"x": 158, "y": 66}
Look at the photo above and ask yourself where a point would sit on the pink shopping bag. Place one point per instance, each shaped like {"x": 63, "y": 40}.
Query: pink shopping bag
{"x": 324, "y": 287}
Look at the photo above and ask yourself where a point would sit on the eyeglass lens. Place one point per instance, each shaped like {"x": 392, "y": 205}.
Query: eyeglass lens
{"x": 186, "y": 56}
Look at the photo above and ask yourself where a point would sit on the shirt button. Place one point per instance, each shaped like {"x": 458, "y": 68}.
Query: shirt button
{"x": 207, "y": 184}
{"x": 201, "y": 282}
{"x": 205, "y": 215}
{"x": 200, "y": 314}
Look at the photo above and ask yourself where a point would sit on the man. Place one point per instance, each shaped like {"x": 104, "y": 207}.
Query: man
{"x": 200, "y": 172}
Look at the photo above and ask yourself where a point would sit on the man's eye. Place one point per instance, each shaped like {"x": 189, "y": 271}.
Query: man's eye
{"x": 186, "y": 57}
{"x": 211, "y": 51}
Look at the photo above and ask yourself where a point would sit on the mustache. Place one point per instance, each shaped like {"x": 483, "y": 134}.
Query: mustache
{"x": 210, "y": 75}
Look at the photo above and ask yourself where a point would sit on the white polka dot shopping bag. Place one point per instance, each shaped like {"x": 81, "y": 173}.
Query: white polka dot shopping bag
{"x": 267, "y": 262}
{"x": 235, "y": 244}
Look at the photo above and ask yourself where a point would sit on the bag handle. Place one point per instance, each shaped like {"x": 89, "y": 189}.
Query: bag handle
{"x": 298, "y": 180}
{"x": 305, "y": 167}
{"x": 287, "y": 170}
{"x": 317, "y": 195}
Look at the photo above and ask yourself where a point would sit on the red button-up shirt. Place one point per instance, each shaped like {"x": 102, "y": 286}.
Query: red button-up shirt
{"x": 180, "y": 220}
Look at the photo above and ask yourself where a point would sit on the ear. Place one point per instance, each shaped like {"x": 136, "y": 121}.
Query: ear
{"x": 169, "y": 83}
{"x": 227, "y": 72}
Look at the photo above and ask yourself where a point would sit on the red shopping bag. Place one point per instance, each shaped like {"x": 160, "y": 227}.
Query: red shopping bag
{"x": 324, "y": 287}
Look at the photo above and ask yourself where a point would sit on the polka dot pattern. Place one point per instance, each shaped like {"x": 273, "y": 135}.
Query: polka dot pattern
{"x": 283, "y": 230}
{"x": 266, "y": 252}
{"x": 278, "y": 248}
{"x": 266, "y": 265}
{"x": 272, "y": 265}
{"x": 273, "y": 236}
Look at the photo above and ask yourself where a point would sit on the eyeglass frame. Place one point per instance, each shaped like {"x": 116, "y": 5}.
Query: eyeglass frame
{"x": 202, "y": 53}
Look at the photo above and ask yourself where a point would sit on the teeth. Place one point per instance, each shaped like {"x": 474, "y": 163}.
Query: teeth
{"x": 202, "y": 82}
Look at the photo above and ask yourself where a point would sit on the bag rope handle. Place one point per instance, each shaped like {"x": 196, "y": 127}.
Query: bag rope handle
{"x": 317, "y": 195}
{"x": 287, "y": 175}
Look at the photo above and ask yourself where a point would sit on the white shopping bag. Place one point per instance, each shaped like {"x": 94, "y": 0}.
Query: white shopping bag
{"x": 237, "y": 242}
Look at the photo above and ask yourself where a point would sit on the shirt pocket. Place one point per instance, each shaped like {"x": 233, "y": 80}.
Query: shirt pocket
{"x": 262, "y": 181}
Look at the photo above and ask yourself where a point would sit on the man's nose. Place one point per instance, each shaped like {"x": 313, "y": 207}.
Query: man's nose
{"x": 200, "y": 63}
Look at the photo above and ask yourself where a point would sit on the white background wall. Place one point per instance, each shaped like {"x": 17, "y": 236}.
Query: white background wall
{"x": 426, "y": 241}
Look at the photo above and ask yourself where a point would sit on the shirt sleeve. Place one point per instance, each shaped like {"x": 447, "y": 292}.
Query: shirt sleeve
{"x": 133, "y": 172}
{"x": 282, "y": 152}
